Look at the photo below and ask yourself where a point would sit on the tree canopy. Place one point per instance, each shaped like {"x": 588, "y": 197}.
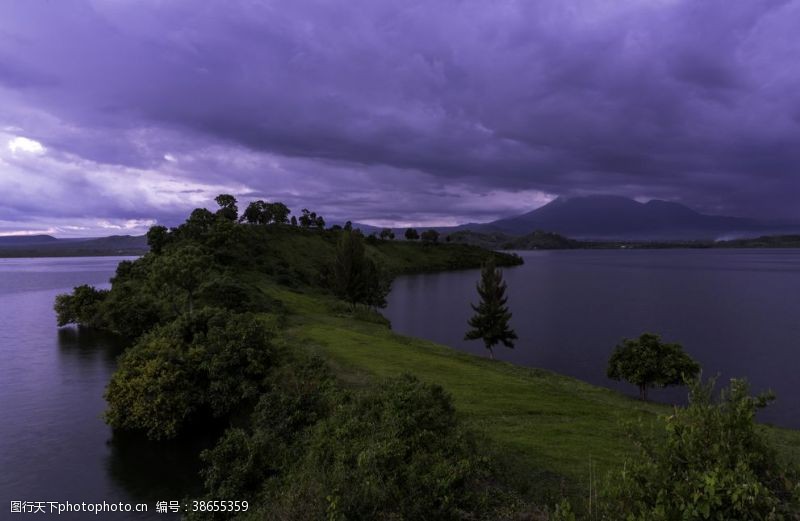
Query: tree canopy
{"x": 648, "y": 362}
{"x": 430, "y": 236}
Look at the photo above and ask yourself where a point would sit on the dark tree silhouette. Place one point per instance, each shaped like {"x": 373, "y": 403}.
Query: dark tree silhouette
{"x": 227, "y": 207}
{"x": 157, "y": 238}
{"x": 647, "y": 362}
{"x": 490, "y": 322}
{"x": 411, "y": 234}
{"x": 430, "y": 236}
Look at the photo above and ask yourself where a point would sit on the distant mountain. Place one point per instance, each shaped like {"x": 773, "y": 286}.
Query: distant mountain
{"x": 17, "y": 240}
{"x": 614, "y": 217}
{"x": 48, "y": 246}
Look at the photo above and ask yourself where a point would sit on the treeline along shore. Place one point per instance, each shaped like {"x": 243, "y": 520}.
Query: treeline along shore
{"x": 267, "y": 324}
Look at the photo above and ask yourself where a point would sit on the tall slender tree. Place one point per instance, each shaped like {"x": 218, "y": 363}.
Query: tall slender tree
{"x": 490, "y": 322}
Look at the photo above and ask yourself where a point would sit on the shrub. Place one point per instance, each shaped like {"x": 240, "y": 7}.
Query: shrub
{"x": 393, "y": 452}
{"x": 82, "y": 307}
{"x": 213, "y": 362}
{"x": 711, "y": 463}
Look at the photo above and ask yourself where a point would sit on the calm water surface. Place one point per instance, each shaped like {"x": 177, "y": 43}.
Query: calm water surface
{"x": 736, "y": 311}
{"x": 54, "y": 445}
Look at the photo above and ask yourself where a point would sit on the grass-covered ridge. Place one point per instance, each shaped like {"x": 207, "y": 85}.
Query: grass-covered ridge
{"x": 554, "y": 426}
{"x": 240, "y": 325}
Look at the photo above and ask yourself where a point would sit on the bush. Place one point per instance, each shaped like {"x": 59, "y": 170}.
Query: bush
{"x": 82, "y": 307}
{"x": 246, "y": 457}
{"x": 213, "y": 363}
{"x": 396, "y": 452}
{"x": 712, "y": 463}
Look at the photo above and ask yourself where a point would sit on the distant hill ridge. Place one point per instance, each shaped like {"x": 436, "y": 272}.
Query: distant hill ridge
{"x": 611, "y": 217}
{"x": 49, "y": 246}
{"x": 14, "y": 240}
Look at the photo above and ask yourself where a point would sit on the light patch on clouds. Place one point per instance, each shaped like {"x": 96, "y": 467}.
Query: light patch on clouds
{"x": 127, "y": 225}
{"x": 26, "y": 145}
{"x": 25, "y": 233}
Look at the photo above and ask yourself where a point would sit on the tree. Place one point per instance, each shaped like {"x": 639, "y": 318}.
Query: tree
{"x": 320, "y": 222}
{"x": 182, "y": 270}
{"x": 227, "y": 207}
{"x": 387, "y": 233}
{"x": 711, "y": 461}
{"x": 647, "y": 362}
{"x": 157, "y": 238}
{"x": 358, "y": 279}
{"x": 490, "y": 322}
{"x": 199, "y": 223}
{"x": 293, "y": 222}
{"x": 430, "y": 236}
{"x": 411, "y": 234}
{"x": 307, "y": 218}
{"x": 279, "y": 212}
{"x": 348, "y": 268}
{"x": 82, "y": 307}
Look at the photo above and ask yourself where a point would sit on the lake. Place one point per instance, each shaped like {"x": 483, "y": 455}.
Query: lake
{"x": 54, "y": 445}
{"x": 735, "y": 311}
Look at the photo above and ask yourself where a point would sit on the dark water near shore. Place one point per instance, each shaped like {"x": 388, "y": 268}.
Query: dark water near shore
{"x": 736, "y": 311}
{"x": 54, "y": 445}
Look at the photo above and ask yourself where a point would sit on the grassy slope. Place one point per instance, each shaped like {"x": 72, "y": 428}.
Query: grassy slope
{"x": 550, "y": 426}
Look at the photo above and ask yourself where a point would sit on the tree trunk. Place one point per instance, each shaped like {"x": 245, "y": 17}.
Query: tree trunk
{"x": 643, "y": 393}
{"x": 491, "y": 353}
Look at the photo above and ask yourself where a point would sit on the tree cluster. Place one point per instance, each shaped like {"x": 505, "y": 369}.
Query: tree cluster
{"x": 205, "y": 365}
{"x": 262, "y": 212}
{"x": 310, "y": 219}
{"x": 357, "y": 278}
{"x": 396, "y": 451}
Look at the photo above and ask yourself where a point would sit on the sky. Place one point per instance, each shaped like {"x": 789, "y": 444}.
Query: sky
{"x": 117, "y": 114}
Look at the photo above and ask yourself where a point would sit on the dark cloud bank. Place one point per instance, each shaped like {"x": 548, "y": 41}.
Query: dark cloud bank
{"x": 394, "y": 112}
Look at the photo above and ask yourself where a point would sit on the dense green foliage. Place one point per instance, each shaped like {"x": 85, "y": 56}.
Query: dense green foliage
{"x": 710, "y": 463}
{"x": 395, "y": 451}
{"x": 205, "y": 365}
{"x": 490, "y": 322}
{"x": 205, "y": 355}
{"x": 648, "y": 362}
{"x": 83, "y": 306}
{"x": 357, "y": 278}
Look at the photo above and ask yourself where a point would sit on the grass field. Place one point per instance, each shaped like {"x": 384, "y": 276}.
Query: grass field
{"x": 550, "y": 429}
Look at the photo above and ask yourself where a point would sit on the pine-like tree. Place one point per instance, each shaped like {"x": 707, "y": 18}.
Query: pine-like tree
{"x": 490, "y": 322}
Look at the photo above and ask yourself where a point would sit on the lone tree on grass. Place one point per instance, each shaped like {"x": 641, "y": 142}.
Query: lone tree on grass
{"x": 647, "y": 362}
{"x": 412, "y": 234}
{"x": 490, "y": 322}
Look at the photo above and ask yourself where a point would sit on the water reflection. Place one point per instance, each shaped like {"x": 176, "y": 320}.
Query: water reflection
{"x": 54, "y": 444}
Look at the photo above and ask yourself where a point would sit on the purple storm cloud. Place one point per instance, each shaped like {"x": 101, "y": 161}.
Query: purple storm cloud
{"x": 118, "y": 114}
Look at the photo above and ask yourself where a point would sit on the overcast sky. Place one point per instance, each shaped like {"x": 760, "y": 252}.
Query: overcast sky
{"x": 115, "y": 114}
